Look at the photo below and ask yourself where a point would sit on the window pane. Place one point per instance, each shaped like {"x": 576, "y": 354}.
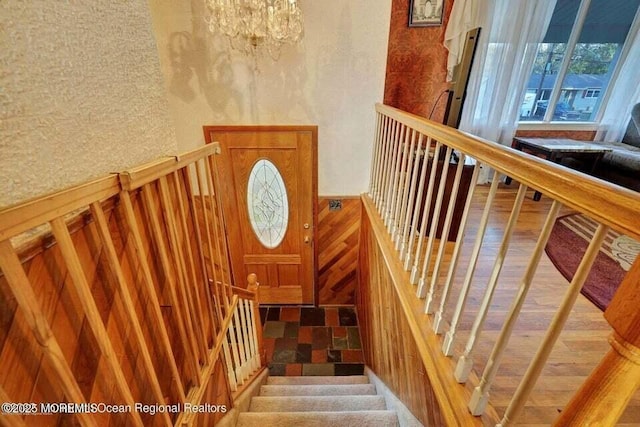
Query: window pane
{"x": 542, "y": 79}
{"x": 593, "y": 59}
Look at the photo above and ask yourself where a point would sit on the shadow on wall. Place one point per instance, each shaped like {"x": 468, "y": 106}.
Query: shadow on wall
{"x": 236, "y": 88}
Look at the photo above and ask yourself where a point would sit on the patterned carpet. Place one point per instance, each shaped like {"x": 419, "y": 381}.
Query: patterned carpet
{"x": 312, "y": 341}
{"x": 567, "y": 244}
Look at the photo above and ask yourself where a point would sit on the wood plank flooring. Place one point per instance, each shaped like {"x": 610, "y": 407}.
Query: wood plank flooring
{"x": 583, "y": 341}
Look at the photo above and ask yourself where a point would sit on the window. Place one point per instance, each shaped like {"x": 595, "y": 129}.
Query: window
{"x": 577, "y": 60}
{"x": 592, "y": 93}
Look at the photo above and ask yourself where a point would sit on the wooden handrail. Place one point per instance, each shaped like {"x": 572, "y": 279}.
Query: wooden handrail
{"x": 149, "y": 172}
{"x": 25, "y": 216}
{"x": 197, "y": 393}
{"x": 607, "y": 203}
{"x": 241, "y": 292}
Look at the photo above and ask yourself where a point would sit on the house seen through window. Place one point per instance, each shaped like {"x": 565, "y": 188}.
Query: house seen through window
{"x": 576, "y": 63}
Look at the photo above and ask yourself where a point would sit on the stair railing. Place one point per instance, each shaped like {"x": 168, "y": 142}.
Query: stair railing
{"x": 243, "y": 348}
{"x": 416, "y": 177}
{"x": 154, "y": 235}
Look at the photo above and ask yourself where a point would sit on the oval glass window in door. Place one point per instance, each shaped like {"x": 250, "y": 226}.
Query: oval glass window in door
{"x": 267, "y": 203}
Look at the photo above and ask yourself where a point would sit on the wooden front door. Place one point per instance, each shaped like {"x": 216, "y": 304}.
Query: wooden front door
{"x": 268, "y": 187}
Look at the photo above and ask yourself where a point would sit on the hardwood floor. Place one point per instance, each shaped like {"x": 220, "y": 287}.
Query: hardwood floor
{"x": 583, "y": 341}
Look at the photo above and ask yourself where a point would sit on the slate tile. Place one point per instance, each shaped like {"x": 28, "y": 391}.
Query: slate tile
{"x": 303, "y": 353}
{"x": 339, "y": 331}
{"x": 277, "y": 369}
{"x": 347, "y": 316}
{"x": 290, "y": 314}
{"x": 353, "y": 335}
{"x": 293, "y": 369}
{"x": 319, "y": 356}
{"x": 334, "y": 356}
{"x": 291, "y": 330}
{"x": 352, "y": 356}
{"x": 310, "y": 316}
{"x": 331, "y": 317}
{"x": 349, "y": 369}
{"x": 274, "y": 313}
{"x": 274, "y": 329}
{"x": 286, "y": 344}
{"x": 284, "y": 356}
{"x": 305, "y": 335}
{"x": 321, "y": 338}
{"x": 319, "y": 369}
{"x": 340, "y": 343}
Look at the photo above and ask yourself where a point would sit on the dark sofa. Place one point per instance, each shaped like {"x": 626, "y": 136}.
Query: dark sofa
{"x": 622, "y": 165}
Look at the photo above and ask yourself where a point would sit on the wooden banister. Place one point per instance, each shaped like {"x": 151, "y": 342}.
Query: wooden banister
{"x": 607, "y": 203}
{"x": 605, "y": 394}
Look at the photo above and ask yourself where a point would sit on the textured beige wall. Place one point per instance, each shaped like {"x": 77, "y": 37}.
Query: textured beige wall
{"x": 81, "y": 93}
{"x": 333, "y": 79}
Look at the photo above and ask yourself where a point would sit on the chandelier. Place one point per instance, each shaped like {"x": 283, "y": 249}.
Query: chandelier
{"x": 251, "y": 25}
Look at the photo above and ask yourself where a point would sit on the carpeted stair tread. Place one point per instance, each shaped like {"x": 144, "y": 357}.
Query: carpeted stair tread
{"x": 316, "y": 403}
{"x": 318, "y": 419}
{"x": 324, "y": 380}
{"x": 317, "y": 390}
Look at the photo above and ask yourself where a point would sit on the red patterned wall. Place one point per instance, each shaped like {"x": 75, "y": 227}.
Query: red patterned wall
{"x": 416, "y": 64}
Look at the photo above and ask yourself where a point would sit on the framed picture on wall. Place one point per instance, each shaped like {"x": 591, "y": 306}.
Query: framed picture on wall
{"x": 425, "y": 13}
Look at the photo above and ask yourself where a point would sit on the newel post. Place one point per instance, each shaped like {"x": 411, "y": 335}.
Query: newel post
{"x": 606, "y": 393}
{"x": 254, "y": 287}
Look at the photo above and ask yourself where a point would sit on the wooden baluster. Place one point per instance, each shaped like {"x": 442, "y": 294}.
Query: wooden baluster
{"x": 426, "y": 209}
{"x": 211, "y": 306}
{"x": 92, "y": 315}
{"x": 254, "y": 287}
{"x": 248, "y": 315}
{"x": 228, "y": 362}
{"x": 465, "y": 362}
{"x": 25, "y": 297}
{"x": 480, "y": 395}
{"x": 196, "y": 285}
{"x": 411, "y": 197}
{"x": 239, "y": 344}
{"x": 435, "y": 219}
{"x": 246, "y": 344}
{"x": 211, "y": 168}
{"x": 429, "y": 306}
{"x": 220, "y": 295}
{"x": 386, "y": 166}
{"x": 438, "y": 319}
{"x": 123, "y": 288}
{"x": 375, "y": 158}
{"x": 402, "y": 188}
{"x": 603, "y": 397}
{"x": 159, "y": 326}
{"x": 156, "y": 231}
{"x": 395, "y": 158}
{"x": 383, "y": 162}
{"x": 510, "y": 321}
{"x": 415, "y": 218}
{"x": 447, "y": 345}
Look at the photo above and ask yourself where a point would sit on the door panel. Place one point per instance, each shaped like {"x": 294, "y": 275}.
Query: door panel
{"x": 286, "y": 272}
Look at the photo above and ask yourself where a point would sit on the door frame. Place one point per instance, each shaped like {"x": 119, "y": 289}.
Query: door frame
{"x": 207, "y": 129}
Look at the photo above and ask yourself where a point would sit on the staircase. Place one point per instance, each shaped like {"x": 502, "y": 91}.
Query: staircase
{"x": 318, "y": 401}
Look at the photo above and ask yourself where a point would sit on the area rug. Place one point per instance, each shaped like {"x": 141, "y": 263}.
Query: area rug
{"x": 567, "y": 244}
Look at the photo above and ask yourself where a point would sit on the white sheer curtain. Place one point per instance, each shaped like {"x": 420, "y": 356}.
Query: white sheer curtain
{"x": 624, "y": 95}
{"x": 508, "y": 42}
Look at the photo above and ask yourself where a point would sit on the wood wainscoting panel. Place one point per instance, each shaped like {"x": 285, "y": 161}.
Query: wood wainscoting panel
{"x": 338, "y": 234}
{"x": 389, "y": 348}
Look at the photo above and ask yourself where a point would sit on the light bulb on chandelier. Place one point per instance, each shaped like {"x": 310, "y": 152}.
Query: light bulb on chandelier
{"x": 253, "y": 25}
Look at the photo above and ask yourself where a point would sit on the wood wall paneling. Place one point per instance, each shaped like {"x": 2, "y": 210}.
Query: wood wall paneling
{"x": 338, "y": 234}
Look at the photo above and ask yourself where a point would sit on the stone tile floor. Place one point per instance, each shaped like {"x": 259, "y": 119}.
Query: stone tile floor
{"x": 312, "y": 341}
